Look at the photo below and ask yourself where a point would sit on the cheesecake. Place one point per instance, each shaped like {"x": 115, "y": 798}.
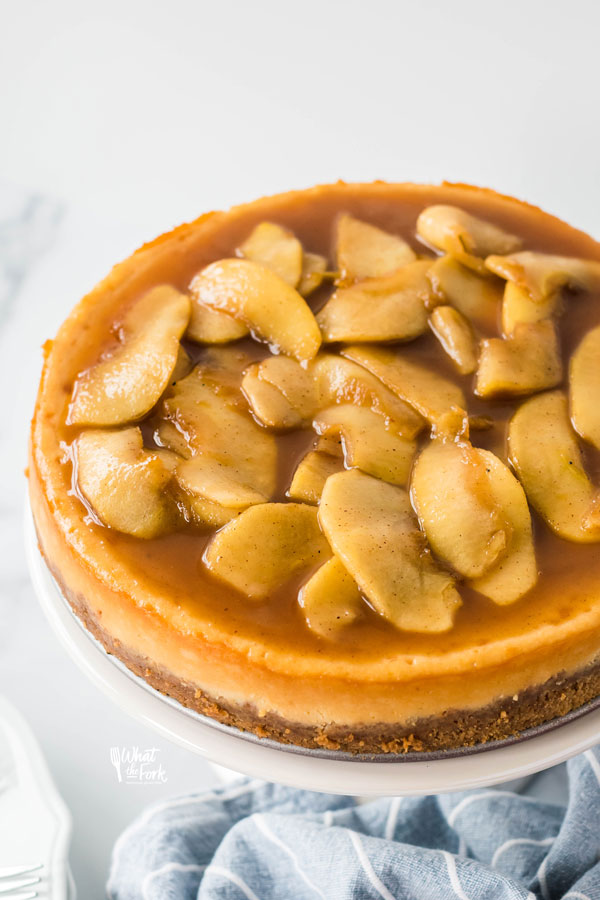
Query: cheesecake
{"x": 325, "y": 467}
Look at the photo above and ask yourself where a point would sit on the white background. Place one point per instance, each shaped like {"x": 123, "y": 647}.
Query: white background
{"x": 139, "y": 115}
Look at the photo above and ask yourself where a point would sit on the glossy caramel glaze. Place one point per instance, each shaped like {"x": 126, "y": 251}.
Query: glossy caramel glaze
{"x": 569, "y": 573}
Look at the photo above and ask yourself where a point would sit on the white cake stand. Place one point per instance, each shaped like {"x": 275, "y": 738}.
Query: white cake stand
{"x": 336, "y": 773}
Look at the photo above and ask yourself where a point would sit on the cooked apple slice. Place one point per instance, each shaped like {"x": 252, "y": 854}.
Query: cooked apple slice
{"x": 212, "y": 415}
{"x": 516, "y": 572}
{"x": 342, "y": 381}
{"x": 210, "y": 326}
{"x": 314, "y": 269}
{"x": 456, "y": 337}
{"x": 331, "y": 444}
{"x": 365, "y": 251}
{"x": 268, "y": 403}
{"x": 125, "y": 386}
{"x": 464, "y": 235}
{"x": 368, "y": 444}
{"x": 585, "y": 387}
{"x": 391, "y": 308}
{"x": 543, "y": 274}
{"x": 518, "y": 308}
{"x": 276, "y": 248}
{"x": 330, "y": 599}
{"x": 265, "y": 546}
{"x": 452, "y": 495}
{"x": 210, "y": 479}
{"x": 264, "y": 302}
{"x": 545, "y": 454}
{"x": 429, "y": 393}
{"x": 371, "y": 527}
{"x": 527, "y": 362}
{"x": 477, "y": 298}
{"x": 311, "y": 474}
{"x": 328, "y": 380}
{"x": 126, "y": 485}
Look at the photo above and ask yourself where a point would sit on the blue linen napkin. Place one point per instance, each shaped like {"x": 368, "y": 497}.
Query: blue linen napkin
{"x": 260, "y": 841}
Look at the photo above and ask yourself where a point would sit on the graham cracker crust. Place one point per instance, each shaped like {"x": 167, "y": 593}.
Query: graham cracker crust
{"x": 451, "y": 730}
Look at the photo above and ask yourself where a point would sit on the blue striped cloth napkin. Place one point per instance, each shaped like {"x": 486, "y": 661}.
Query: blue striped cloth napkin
{"x": 260, "y": 841}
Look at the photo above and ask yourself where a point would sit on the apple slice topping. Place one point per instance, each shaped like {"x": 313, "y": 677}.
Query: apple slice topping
{"x": 265, "y": 546}
{"x": 208, "y": 325}
{"x": 276, "y": 248}
{"x": 126, "y": 385}
{"x": 126, "y": 486}
{"x": 364, "y": 251}
{"x": 430, "y": 394}
{"x": 262, "y": 301}
{"x": 314, "y": 270}
{"x": 330, "y": 600}
{"x": 311, "y": 474}
{"x": 544, "y": 274}
{"x": 368, "y": 442}
{"x": 372, "y": 529}
{"x": 328, "y": 380}
{"x": 389, "y": 308}
{"x": 456, "y": 337}
{"x": 516, "y": 571}
{"x": 525, "y": 363}
{"x": 477, "y": 298}
{"x": 464, "y": 235}
{"x": 585, "y": 387}
{"x": 453, "y": 497}
{"x": 519, "y": 308}
{"x": 545, "y": 454}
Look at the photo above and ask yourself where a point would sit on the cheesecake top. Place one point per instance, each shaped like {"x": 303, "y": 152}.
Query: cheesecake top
{"x": 360, "y": 419}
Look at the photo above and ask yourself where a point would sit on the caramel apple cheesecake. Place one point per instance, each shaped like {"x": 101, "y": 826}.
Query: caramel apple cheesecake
{"x": 325, "y": 467}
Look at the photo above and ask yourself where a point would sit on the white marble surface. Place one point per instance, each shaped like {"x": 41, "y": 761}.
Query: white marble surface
{"x": 138, "y": 116}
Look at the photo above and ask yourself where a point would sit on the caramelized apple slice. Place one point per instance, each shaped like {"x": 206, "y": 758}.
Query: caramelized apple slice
{"x": 585, "y": 387}
{"x": 264, "y": 302}
{"x": 126, "y": 485}
{"x": 276, "y": 248}
{"x": 516, "y": 572}
{"x": 314, "y": 268}
{"x": 545, "y": 454}
{"x": 312, "y": 473}
{"x": 464, "y": 235}
{"x": 125, "y": 387}
{"x": 210, "y": 326}
{"x": 391, "y": 308}
{"x": 430, "y": 394}
{"x": 330, "y": 599}
{"x": 265, "y": 545}
{"x": 267, "y": 402}
{"x": 518, "y": 308}
{"x": 343, "y": 381}
{"x": 328, "y": 380}
{"x": 527, "y": 362}
{"x": 544, "y": 274}
{"x": 210, "y": 412}
{"x": 477, "y": 298}
{"x": 452, "y": 495}
{"x": 371, "y": 527}
{"x": 368, "y": 444}
{"x": 210, "y": 479}
{"x": 365, "y": 251}
{"x": 183, "y": 366}
{"x": 456, "y": 337}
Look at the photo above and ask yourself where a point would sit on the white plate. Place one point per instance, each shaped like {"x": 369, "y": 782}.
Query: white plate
{"x": 341, "y": 776}
{"x": 35, "y": 824}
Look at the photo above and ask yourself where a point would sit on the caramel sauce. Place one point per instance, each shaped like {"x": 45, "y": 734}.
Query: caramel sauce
{"x": 569, "y": 572}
